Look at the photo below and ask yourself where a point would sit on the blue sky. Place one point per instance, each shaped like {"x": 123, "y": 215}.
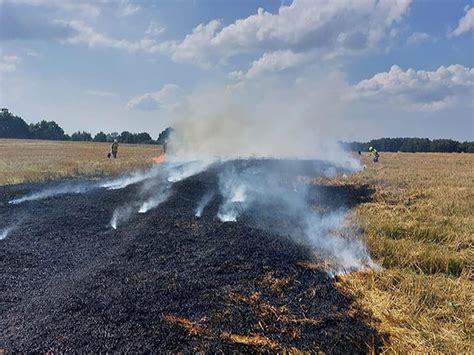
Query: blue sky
{"x": 404, "y": 67}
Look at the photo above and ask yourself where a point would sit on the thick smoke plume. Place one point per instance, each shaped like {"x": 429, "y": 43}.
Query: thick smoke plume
{"x": 272, "y": 117}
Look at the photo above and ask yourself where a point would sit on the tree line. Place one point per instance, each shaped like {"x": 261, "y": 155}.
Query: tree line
{"x": 412, "y": 145}
{"x": 12, "y": 126}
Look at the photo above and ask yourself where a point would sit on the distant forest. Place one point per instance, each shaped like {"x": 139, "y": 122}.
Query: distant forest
{"x": 412, "y": 145}
{"x": 12, "y": 126}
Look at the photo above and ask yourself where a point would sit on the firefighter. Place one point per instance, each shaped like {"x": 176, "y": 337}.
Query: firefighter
{"x": 115, "y": 148}
{"x": 374, "y": 153}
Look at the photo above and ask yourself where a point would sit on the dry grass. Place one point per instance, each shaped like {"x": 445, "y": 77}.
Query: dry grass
{"x": 34, "y": 160}
{"x": 257, "y": 340}
{"x": 191, "y": 327}
{"x": 420, "y": 227}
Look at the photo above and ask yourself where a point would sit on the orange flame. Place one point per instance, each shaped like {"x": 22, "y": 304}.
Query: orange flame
{"x": 160, "y": 159}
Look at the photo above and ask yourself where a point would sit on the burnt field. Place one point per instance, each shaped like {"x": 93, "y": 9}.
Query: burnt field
{"x": 166, "y": 280}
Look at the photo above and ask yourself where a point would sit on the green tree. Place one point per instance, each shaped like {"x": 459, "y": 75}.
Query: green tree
{"x": 81, "y": 136}
{"x": 127, "y": 137}
{"x": 100, "y": 137}
{"x": 13, "y": 126}
{"x": 46, "y": 130}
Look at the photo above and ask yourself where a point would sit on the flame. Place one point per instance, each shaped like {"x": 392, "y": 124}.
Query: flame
{"x": 160, "y": 159}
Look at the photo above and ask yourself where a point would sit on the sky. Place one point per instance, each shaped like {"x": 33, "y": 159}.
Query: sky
{"x": 394, "y": 67}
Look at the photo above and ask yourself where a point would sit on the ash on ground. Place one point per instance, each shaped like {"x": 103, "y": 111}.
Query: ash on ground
{"x": 168, "y": 281}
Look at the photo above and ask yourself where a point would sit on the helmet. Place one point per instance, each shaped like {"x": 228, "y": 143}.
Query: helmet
{"x": 371, "y": 149}
{"x": 115, "y": 141}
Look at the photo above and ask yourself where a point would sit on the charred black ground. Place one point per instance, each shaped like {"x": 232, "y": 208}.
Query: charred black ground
{"x": 166, "y": 281}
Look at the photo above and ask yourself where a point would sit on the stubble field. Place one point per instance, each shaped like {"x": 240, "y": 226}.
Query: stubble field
{"x": 36, "y": 161}
{"x": 418, "y": 225}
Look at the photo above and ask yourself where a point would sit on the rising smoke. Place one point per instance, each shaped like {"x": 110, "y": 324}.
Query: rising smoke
{"x": 263, "y": 195}
{"x": 275, "y": 117}
{"x": 205, "y": 200}
{"x": 157, "y": 188}
{"x": 279, "y": 117}
{"x": 67, "y": 188}
{"x": 233, "y": 128}
{"x": 6, "y": 231}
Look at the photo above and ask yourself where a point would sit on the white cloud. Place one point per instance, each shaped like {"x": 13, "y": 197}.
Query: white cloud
{"x": 8, "y": 63}
{"x": 466, "y": 23}
{"x": 419, "y": 90}
{"x": 87, "y": 35}
{"x": 166, "y": 98}
{"x": 100, "y": 93}
{"x": 272, "y": 62}
{"x": 419, "y": 37}
{"x": 332, "y": 27}
{"x": 321, "y": 27}
{"x": 155, "y": 29}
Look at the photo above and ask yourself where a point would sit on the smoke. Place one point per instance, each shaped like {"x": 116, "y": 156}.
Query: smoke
{"x": 205, "y": 200}
{"x": 155, "y": 201}
{"x": 156, "y": 187}
{"x": 121, "y": 214}
{"x": 264, "y": 196}
{"x": 62, "y": 189}
{"x": 183, "y": 170}
{"x": 134, "y": 178}
{"x": 6, "y": 231}
{"x": 274, "y": 117}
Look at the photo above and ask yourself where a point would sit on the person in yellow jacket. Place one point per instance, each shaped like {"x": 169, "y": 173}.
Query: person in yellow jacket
{"x": 374, "y": 153}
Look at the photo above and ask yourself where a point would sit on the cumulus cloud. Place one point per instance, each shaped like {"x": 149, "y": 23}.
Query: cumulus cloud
{"x": 332, "y": 27}
{"x": 8, "y": 63}
{"x": 419, "y": 37}
{"x": 466, "y": 23}
{"x": 419, "y": 90}
{"x": 272, "y": 62}
{"x": 166, "y": 98}
{"x": 306, "y": 27}
{"x": 85, "y": 34}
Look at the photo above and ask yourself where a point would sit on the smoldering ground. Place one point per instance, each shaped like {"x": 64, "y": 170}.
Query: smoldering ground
{"x": 72, "y": 282}
{"x": 170, "y": 258}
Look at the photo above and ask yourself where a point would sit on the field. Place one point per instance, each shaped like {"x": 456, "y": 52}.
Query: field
{"x": 418, "y": 225}
{"x": 36, "y": 161}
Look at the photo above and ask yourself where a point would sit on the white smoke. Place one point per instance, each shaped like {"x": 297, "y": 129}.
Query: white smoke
{"x": 63, "y": 189}
{"x": 154, "y": 201}
{"x": 6, "y": 231}
{"x": 121, "y": 214}
{"x": 183, "y": 170}
{"x": 130, "y": 179}
{"x": 205, "y": 200}
{"x": 156, "y": 188}
{"x": 274, "y": 117}
{"x": 272, "y": 199}
{"x": 346, "y": 254}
